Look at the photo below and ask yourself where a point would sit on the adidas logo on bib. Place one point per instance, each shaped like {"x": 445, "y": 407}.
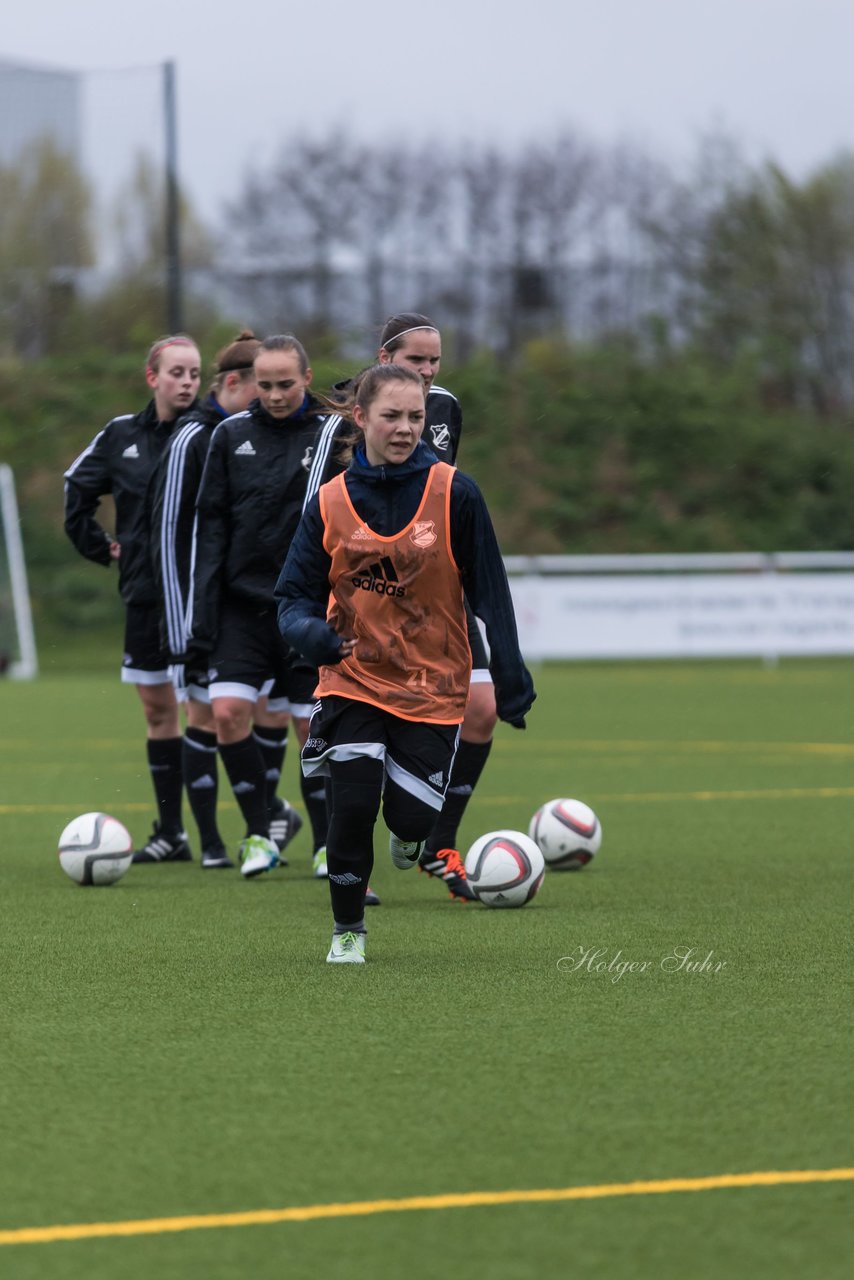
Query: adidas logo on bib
{"x": 245, "y": 450}
{"x": 379, "y": 577}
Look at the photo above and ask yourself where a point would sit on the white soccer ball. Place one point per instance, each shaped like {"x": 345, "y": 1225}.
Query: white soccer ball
{"x": 505, "y": 869}
{"x": 95, "y": 849}
{"x": 567, "y": 832}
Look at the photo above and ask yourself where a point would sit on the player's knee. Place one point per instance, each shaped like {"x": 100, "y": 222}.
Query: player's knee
{"x": 200, "y": 715}
{"x": 481, "y": 714}
{"x": 356, "y": 802}
{"x": 233, "y": 718}
{"x": 407, "y": 817}
{"x": 160, "y": 709}
{"x": 272, "y": 719}
{"x": 162, "y": 722}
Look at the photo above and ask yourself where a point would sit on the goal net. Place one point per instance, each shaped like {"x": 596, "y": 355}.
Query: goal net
{"x": 17, "y": 642}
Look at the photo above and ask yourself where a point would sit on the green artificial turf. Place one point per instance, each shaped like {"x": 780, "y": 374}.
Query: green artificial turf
{"x": 175, "y": 1044}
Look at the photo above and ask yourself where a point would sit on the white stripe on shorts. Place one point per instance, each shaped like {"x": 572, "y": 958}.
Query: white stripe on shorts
{"x": 414, "y": 786}
{"x": 132, "y": 675}
{"x": 342, "y": 751}
{"x": 229, "y": 689}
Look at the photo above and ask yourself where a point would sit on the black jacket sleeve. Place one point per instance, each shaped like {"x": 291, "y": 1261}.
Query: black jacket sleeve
{"x": 326, "y": 462}
{"x": 213, "y": 531}
{"x": 484, "y": 578}
{"x": 173, "y": 508}
{"x": 302, "y": 592}
{"x": 87, "y": 480}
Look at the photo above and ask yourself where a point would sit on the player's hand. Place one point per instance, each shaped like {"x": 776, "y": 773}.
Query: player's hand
{"x": 115, "y": 550}
{"x": 347, "y": 647}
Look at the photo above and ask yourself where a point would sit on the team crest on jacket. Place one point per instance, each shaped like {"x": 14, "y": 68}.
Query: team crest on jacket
{"x": 307, "y": 457}
{"x": 423, "y": 534}
{"x": 441, "y": 435}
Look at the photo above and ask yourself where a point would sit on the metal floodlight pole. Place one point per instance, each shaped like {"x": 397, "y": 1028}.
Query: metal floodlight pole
{"x": 174, "y": 298}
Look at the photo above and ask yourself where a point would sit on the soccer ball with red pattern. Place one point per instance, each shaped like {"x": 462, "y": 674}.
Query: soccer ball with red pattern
{"x": 567, "y": 833}
{"x": 505, "y": 869}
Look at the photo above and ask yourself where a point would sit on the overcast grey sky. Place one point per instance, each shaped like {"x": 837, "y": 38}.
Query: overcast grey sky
{"x": 774, "y": 74}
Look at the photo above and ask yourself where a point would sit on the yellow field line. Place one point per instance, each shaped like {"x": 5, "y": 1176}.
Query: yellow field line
{"x": 132, "y": 806}
{"x": 703, "y": 746}
{"x": 775, "y": 793}
{"x": 365, "y": 1208}
{"x": 16, "y": 746}
{"x": 616, "y": 797}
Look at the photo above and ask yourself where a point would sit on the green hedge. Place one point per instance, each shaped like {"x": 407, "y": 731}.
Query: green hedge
{"x": 576, "y": 451}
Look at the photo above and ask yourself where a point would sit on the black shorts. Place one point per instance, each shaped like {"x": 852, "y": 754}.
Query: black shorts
{"x": 145, "y": 660}
{"x": 417, "y": 756}
{"x": 250, "y": 659}
{"x": 479, "y": 656}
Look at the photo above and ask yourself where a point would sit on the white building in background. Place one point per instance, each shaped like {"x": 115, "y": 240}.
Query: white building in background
{"x": 38, "y": 103}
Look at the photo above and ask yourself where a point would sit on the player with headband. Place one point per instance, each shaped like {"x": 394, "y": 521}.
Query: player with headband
{"x": 413, "y": 341}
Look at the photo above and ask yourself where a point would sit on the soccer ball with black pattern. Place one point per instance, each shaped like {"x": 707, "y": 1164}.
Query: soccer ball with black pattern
{"x": 504, "y": 869}
{"x": 95, "y": 849}
{"x": 567, "y": 832}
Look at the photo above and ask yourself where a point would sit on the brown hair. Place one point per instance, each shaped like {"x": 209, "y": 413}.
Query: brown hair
{"x": 239, "y": 353}
{"x": 152, "y": 360}
{"x": 362, "y": 390}
{"x": 237, "y": 357}
{"x": 371, "y": 382}
{"x": 285, "y": 342}
{"x": 397, "y": 326}
{"x": 364, "y": 387}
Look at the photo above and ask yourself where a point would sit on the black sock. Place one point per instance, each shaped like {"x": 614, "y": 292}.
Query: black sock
{"x": 467, "y": 767}
{"x": 201, "y": 781}
{"x": 314, "y": 799}
{"x": 357, "y": 785}
{"x": 164, "y": 762}
{"x": 244, "y": 765}
{"x": 273, "y": 744}
{"x": 349, "y": 873}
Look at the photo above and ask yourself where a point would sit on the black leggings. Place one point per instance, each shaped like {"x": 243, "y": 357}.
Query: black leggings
{"x": 358, "y": 787}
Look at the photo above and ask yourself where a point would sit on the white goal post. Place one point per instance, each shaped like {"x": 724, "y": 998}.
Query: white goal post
{"x": 16, "y": 620}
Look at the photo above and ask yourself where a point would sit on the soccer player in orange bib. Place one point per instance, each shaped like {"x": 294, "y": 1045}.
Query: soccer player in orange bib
{"x": 372, "y": 593}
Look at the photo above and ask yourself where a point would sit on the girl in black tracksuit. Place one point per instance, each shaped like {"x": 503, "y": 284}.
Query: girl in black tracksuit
{"x": 174, "y": 490}
{"x": 249, "y": 505}
{"x": 120, "y": 462}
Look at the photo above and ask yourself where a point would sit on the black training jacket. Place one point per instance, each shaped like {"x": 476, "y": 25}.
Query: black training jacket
{"x": 119, "y": 461}
{"x": 249, "y": 506}
{"x": 172, "y": 517}
{"x": 387, "y": 498}
{"x": 443, "y": 425}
